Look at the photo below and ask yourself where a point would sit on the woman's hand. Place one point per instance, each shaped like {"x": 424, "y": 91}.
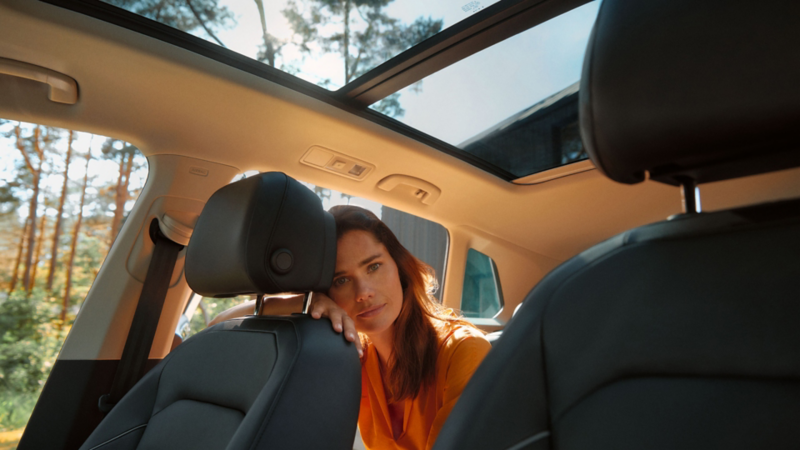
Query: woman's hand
{"x": 323, "y": 306}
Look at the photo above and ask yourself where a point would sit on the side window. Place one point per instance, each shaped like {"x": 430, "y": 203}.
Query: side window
{"x": 64, "y": 196}
{"x": 424, "y": 239}
{"x": 200, "y": 311}
{"x": 481, "y": 296}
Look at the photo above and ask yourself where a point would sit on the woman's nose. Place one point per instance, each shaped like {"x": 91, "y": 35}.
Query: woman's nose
{"x": 364, "y": 291}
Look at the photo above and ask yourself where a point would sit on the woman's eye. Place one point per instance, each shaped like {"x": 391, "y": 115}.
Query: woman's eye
{"x": 373, "y": 267}
{"x": 339, "y": 281}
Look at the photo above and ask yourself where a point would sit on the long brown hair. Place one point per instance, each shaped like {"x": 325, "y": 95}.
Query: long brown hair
{"x": 412, "y": 364}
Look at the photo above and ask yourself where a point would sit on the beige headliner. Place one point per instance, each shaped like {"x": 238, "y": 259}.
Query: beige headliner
{"x": 167, "y": 100}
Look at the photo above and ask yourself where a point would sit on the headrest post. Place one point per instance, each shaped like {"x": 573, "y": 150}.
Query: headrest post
{"x": 690, "y": 196}
{"x": 259, "y": 304}
{"x": 307, "y": 302}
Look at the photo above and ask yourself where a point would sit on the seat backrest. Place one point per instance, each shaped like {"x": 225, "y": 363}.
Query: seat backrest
{"x": 256, "y": 382}
{"x": 679, "y": 334}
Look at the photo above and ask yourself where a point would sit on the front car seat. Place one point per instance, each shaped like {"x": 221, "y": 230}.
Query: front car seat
{"x": 257, "y": 382}
{"x": 681, "y": 334}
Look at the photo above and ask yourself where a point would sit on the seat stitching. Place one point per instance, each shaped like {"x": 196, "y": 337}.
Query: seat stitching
{"x": 119, "y": 436}
{"x": 530, "y": 440}
{"x": 186, "y": 399}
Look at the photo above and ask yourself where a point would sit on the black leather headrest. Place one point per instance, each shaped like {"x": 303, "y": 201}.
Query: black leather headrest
{"x": 705, "y": 89}
{"x": 262, "y": 235}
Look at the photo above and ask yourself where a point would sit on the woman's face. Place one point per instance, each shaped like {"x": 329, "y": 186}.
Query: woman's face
{"x": 366, "y": 284}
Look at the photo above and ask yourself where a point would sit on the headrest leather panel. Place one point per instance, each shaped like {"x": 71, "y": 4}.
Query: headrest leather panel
{"x": 681, "y": 88}
{"x": 265, "y": 234}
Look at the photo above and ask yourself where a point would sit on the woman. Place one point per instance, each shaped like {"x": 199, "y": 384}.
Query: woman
{"x": 416, "y": 356}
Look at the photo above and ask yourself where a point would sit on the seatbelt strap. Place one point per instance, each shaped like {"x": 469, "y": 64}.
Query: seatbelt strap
{"x": 145, "y": 319}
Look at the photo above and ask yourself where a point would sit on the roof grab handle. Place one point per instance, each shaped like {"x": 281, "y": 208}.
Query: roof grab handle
{"x": 63, "y": 89}
{"x": 425, "y": 192}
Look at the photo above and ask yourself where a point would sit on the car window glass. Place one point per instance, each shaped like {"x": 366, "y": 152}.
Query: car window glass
{"x": 518, "y": 114}
{"x": 424, "y": 239}
{"x": 326, "y": 43}
{"x": 481, "y": 296}
{"x": 64, "y": 196}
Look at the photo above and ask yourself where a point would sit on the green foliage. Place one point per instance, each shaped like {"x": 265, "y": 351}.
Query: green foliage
{"x": 30, "y": 339}
{"x": 213, "y": 306}
{"x": 9, "y": 200}
{"x": 31, "y": 332}
{"x": 390, "y": 106}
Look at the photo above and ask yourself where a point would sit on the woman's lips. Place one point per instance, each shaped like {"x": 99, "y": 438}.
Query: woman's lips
{"x": 371, "y": 312}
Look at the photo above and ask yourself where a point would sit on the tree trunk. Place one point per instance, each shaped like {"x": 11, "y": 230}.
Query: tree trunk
{"x": 346, "y": 49}
{"x": 34, "y": 203}
{"x": 74, "y": 246}
{"x": 125, "y": 193}
{"x": 117, "y": 196}
{"x": 38, "y": 252}
{"x": 59, "y": 217}
{"x": 15, "y": 276}
{"x": 270, "y": 51}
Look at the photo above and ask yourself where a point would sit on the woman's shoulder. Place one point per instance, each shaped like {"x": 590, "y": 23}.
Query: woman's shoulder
{"x": 462, "y": 349}
{"x": 461, "y": 337}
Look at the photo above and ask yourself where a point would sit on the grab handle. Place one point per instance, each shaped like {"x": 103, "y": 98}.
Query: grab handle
{"x": 63, "y": 89}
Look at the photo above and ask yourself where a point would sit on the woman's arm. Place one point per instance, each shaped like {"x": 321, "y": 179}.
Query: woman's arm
{"x": 239, "y": 310}
{"x": 321, "y": 306}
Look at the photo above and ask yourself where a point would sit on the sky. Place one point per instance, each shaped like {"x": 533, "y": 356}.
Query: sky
{"x": 101, "y": 172}
{"x": 246, "y": 35}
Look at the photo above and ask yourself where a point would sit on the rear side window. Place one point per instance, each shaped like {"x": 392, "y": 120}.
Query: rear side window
{"x": 481, "y": 296}
{"x": 424, "y": 239}
{"x": 64, "y": 196}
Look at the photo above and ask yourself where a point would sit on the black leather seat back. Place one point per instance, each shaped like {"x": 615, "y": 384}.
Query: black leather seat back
{"x": 245, "y": 383}
{"x": 258, "y": 382}
{"x": 680, "y": 334}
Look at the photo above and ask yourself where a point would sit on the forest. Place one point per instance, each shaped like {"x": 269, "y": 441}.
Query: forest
{"x": 63, "y": 199}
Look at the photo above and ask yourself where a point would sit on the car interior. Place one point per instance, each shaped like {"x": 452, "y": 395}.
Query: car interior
{"x": 253, "y": 377}
{"x": 639, "y": 217}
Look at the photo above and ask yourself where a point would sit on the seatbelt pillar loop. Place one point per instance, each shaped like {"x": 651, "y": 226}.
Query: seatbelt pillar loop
{"x": 145, "y": 319}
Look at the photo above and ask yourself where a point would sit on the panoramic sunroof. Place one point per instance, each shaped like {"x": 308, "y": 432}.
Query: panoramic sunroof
{"x": 513, "y": 105}
{"x": 510, "y": 109}
{"x": 310, "y": 38}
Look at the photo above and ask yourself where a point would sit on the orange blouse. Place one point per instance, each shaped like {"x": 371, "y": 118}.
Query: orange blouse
{"x": 461, "y": 350}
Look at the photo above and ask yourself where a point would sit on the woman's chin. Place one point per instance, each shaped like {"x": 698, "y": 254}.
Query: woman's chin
{"x": 372, "y": 326}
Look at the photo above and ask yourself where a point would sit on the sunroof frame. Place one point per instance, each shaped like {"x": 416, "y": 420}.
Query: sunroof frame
{"x": 497, "y": 22}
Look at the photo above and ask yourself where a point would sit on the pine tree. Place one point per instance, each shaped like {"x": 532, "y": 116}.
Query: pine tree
{"x": 365, "y": 36}
{"x": 33, "y": 149}
{"x": 37, "y": 253}
{"x": 60, "y": 215}
{"x": 114, "y": 149}
{"x": 21, "y": 247}
{"x": 185, "y": 15}
{"x": 74, "y": 245}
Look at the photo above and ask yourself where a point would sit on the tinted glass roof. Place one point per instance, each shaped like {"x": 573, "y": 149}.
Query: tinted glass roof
{"x": 515, "y": 104}
{"x": 310, "y": 38}
{"x": 491, "y": 82}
